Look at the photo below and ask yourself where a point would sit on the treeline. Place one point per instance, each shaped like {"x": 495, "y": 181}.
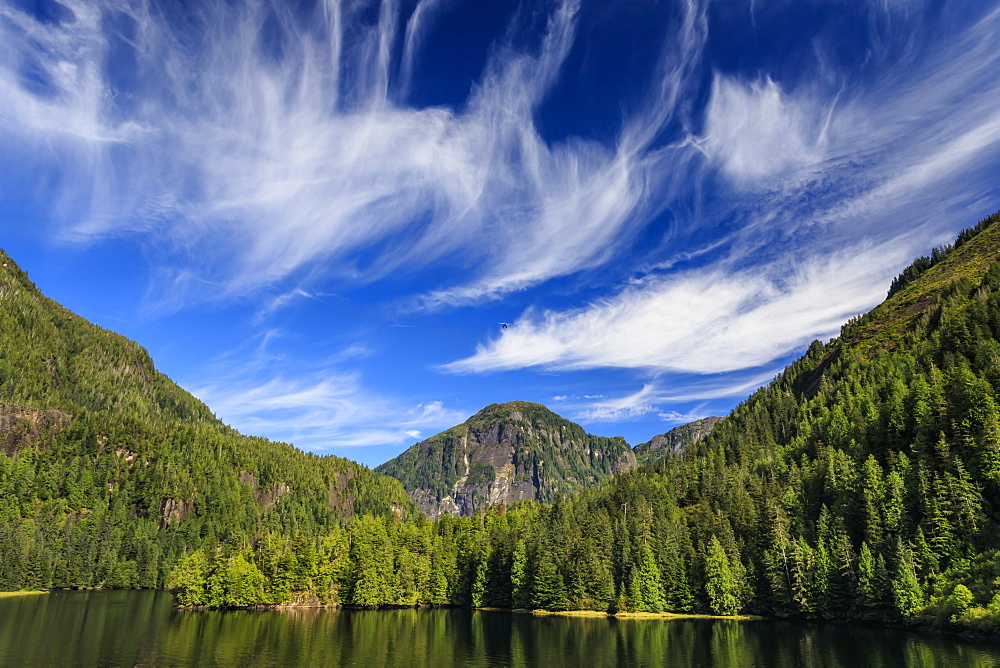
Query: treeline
{"x": 109, "y": 472}
{"x": 861, "y": 484}
{"x": 922, "y": 264}
{"x": 101, "y": 504}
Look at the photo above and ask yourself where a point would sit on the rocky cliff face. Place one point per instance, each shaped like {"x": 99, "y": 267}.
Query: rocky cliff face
{"x": 675, "y": 440}
{"x": 20, "y": 427}
{"x": 505, "y": 453}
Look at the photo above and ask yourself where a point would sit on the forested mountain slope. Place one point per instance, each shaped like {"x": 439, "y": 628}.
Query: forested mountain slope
{"x": 110, "y": 471}
{"x": 506, "y": 453}
{"x": 862, "y": 483}
{"x": 675, "y": 441}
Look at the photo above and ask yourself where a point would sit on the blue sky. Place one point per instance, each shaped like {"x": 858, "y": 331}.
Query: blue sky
{"x": 314, "y": 215}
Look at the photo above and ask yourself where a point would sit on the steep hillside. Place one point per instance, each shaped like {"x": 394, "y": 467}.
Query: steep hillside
{"x": 862, "y": 483}
{"x": 51, "y": 358}
{"x": 675, "y": 440}
{"x": 109, "y": 471}
{"x": 505, "y": 453}
{"x": 917, "y": 295}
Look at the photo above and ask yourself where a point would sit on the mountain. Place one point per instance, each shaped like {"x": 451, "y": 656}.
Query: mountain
{"x": 505, "y": 453}
{"x": 675, "y": 440}
{"x": 109, "y": 471}
{"x": 863, "y": 483}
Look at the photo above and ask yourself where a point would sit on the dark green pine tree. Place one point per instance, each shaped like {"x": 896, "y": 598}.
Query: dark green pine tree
{"x": 721, "y": 586}
{"x": 372, "y": 558}
{"x": 907, "y": 595}
{"x": 548, "y": 590}
{"x": 677, "y": 591}
{"x": 520, "y": 582}
{"x": 646, "y": 587}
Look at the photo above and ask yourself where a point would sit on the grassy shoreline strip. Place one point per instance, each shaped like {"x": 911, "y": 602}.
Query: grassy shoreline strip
{"x": 7, "y": 594}
{"x": 677, "y": 615}
{"x": 635, "y": 615}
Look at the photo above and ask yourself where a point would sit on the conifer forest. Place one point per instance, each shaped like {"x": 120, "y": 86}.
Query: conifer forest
{"x": 863, "y": 483}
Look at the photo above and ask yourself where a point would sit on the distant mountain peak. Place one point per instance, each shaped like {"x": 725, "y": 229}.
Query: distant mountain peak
{"x": 504, "y": 453}
{"x": 511, "y": 408}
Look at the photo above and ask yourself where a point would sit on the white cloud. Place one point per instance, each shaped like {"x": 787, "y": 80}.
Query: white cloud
{"x": 619, "y": 409}
{"x": 652, "y": 398}
{"x": 673, "y": 417}
{"x": 919, "y": 144}
{"x": 66, "y": 98}
{"x": 249, "y": 168}
{"x": 700, "y": 321}
{"x": 738, "y": 384}
{"x": 659, "y": 396}
{"x": 281, "y": 301}
{"x": 321, "y": 411}
{"x": 756, "y": 131}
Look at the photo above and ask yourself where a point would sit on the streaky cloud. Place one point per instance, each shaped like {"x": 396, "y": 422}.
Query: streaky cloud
{"x": 322, "y": 413}
{"x": 700, "y": 321}
{"x": 246, "y": 165}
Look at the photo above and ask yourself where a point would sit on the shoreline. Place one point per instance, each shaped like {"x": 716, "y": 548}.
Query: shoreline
{"x": 923, "y": 628}
{"x": 680, "y": 615}
{"x": 628, "y": 615}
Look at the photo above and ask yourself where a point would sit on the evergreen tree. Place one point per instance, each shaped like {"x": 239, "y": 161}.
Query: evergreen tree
{"x": 189, "y": 579}
{"x": 906, "y": 592}
{"x": 548, "y": 590}
{"x": 721, "y": 586}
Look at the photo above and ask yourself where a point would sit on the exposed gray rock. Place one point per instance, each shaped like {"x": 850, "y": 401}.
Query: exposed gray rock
{"x": 675, "y": 440}
{"x": 503, "y": 454}
{"x": 21, "y": 427}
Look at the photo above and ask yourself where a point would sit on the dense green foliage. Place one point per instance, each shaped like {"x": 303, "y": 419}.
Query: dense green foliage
{"x": 109, "y": 472}
{"x": 862, "y": 483}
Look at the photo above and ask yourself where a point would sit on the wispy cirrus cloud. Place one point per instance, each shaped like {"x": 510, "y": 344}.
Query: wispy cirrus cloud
{"x": 874, "y": 157}
{"x": 323, "y": 412}
{"x": 831, "y": 190}
{"x": 754, "y": 131}
{"x": 702, "y": 321}
{"x": 654, "y": 399}
{"x": 673, "y": 417}
{"x": 618, "y": 409}
{"x": 254, "y": 144}
{"x": 320, "y": 404}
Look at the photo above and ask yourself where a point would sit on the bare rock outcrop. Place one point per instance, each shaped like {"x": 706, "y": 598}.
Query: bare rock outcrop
{"x": 675, "y": 440}
{"x": 503, "y": 454}
{"x": 22, "y": 427}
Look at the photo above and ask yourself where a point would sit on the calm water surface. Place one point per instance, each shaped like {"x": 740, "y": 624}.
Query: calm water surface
{"x": 141, "y": 628}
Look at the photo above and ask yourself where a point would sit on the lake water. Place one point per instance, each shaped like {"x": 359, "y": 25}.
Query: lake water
{"x": 141, "y": 628}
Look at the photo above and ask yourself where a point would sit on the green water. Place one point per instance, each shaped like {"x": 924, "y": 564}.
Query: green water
{"x": 140, "y": 628}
